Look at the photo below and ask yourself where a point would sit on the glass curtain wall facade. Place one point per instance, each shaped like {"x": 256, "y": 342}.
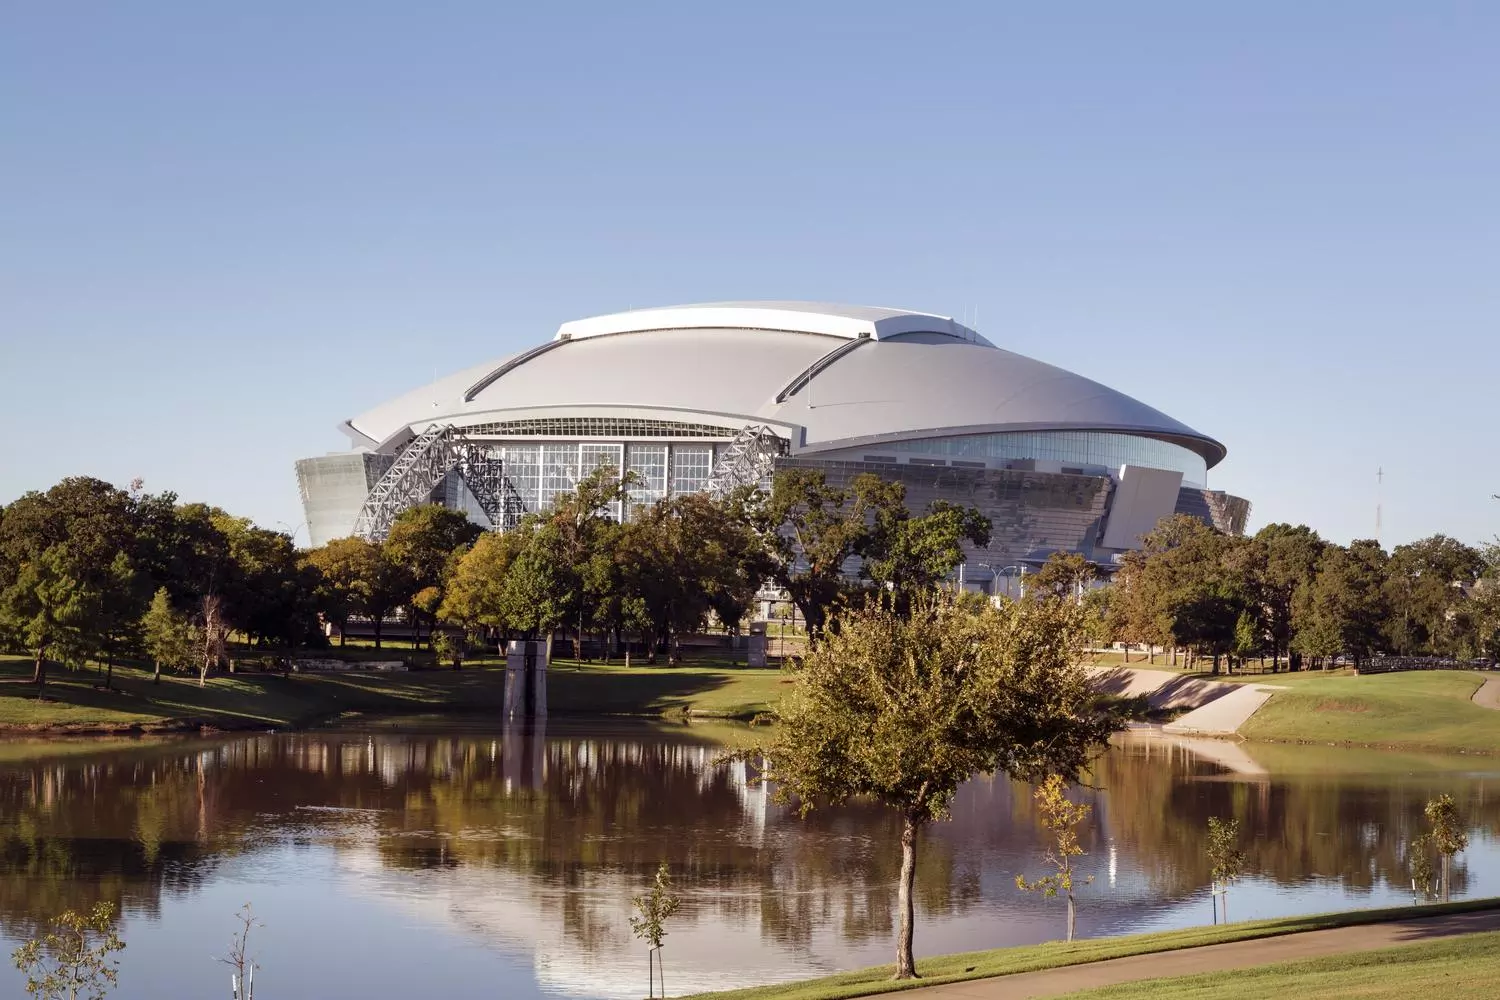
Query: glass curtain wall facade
{"x": 1085, "y": 449}
{"x": 538, "y": 472}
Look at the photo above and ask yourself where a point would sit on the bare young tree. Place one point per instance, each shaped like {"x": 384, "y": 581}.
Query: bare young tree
{"x": 1061, "y": 817}
{"x": 654, "y": 908}
{"x": 213, "y": 636}
{"x": 1224, "y": 856}
{"x": 1447, "y": 836}
{"x": 242, "y": 979}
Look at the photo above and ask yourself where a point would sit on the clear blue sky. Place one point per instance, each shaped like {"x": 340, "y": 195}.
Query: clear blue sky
{"x": 224, "y": 229}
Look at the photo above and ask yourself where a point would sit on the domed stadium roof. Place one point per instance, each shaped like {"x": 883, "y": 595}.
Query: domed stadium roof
{"x": 826, "y": 377}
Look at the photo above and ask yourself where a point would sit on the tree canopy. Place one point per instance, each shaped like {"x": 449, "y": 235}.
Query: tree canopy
{"x": 905, "y": 708}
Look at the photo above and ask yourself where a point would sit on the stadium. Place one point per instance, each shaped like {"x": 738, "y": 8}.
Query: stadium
{"x": 710, "y": 397}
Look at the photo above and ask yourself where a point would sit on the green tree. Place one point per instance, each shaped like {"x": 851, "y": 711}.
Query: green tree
{"x": 1147, "y": 589}
{"x": 1061, "y": 818}
{"x": 355, "y": 577}
{"x": 566, "y": 559}
{"x": 1226, "y": 860}
{"x": 1425, "y": 582}
{"x": 1447, "y": 835}
{"x": 475, "y": 595}
{"x": 907, "y": 555}
{"x": 1065, "y": 574}
{"x": 681, "y": 558}
{"x": 810, "y": 529}
{"x": 662, "y": 572}
{"x": 68, "y": 582}
{"x": 267, "y": 590}
{"x": 532, "y": 599}
{"x": 50, "y": 606}
{"x": 1345, "y": 607}
{"x": 652, "y": 910}
{"x": 906, "y": 708}
{"x": 75, "y": 959}
{"x": 422, "y": 542}
{"x": 345, "y": 569}
{"x": 1289, "y": 565}
{"x": 167, "y": 635}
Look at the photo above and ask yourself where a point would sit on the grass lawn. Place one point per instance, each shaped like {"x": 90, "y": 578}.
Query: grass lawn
{"x": 1453, "y": 968}
{"x": 1005, "y": 961}
{"x": 707, "y": 691}
{"x": 1420, "y": 710}
{"x": 76, "y": 700}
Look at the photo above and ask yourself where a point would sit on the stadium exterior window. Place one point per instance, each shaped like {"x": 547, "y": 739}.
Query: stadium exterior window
{"x": 649, "y": 464}
{"x": 1099, "y": 449}
{"x": 523, "y": 467}
{"x": 691, "y": 466}
{"x": 597, "y": 456}
{"x": 559, "y": 472}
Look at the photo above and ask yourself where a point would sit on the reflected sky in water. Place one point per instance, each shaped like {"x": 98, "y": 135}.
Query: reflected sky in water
{"x": 479, "y": 864}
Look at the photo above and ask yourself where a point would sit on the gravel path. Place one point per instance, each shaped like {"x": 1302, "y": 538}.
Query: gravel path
{"x": 1214, "y": 958}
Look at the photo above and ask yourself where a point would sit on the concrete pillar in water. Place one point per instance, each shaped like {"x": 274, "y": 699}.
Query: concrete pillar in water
{"x": 526, "y": 680}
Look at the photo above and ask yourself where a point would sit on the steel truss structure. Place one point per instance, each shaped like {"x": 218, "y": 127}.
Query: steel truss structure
{"x": 748, "y": 460}
{"x": 423, "y": 465}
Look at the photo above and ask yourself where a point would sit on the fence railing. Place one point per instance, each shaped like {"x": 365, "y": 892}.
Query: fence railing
{"x": 1394, "y": 664}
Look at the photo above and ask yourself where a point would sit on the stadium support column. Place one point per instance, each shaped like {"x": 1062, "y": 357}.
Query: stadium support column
{"x": 526, "y": 680}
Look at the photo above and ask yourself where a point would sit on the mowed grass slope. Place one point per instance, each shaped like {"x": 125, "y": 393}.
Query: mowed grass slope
{"x": 76, "y": 700}
{"x": 1420, "y": 710}
{"x": 1461, "y": 968}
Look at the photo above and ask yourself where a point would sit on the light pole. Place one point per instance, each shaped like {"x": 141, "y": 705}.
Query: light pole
{"x": 292, "y": 532}
{"x": 1020, "y": 569}
{"x": 996, "y": 573}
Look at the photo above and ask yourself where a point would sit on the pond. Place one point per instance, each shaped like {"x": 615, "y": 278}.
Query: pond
{"x": 393, "y": 864}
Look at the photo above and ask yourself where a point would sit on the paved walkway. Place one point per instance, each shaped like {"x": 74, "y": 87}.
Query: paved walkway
{"x": 1162, "y": 689}
{"x": 1213, "y": 958}
{"x": 1223, "y": 716}
{"x": 1488, "y": 695}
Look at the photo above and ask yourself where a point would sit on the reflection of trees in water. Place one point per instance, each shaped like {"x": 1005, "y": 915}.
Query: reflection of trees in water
{"x": 1351, "y": 829}
{"x": 605, "y": 812}
{"x": 74, "y": 834}
{"x": 583, "y": 823}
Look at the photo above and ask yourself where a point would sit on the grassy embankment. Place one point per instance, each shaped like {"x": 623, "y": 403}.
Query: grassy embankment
{"x": 1057, "y": 954}
{"x": 75, "y": 701}
{"x": 1420, "y": 710}
{"x": 1460, "y": 968}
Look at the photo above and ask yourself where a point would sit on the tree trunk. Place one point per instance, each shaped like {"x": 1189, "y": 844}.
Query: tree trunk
{"x": 109, "y": 671}
{"x": 379, "y": 623}
{"x": 906, "y": 967}
{"x": 1071, "y": 914}
{"x": 1224, "y": 897}
{"x": 343, "y": 632}
{"x": 1445, "y": 878}
{"x": 39, "y": 672}
{"x": 156, "y": 677}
